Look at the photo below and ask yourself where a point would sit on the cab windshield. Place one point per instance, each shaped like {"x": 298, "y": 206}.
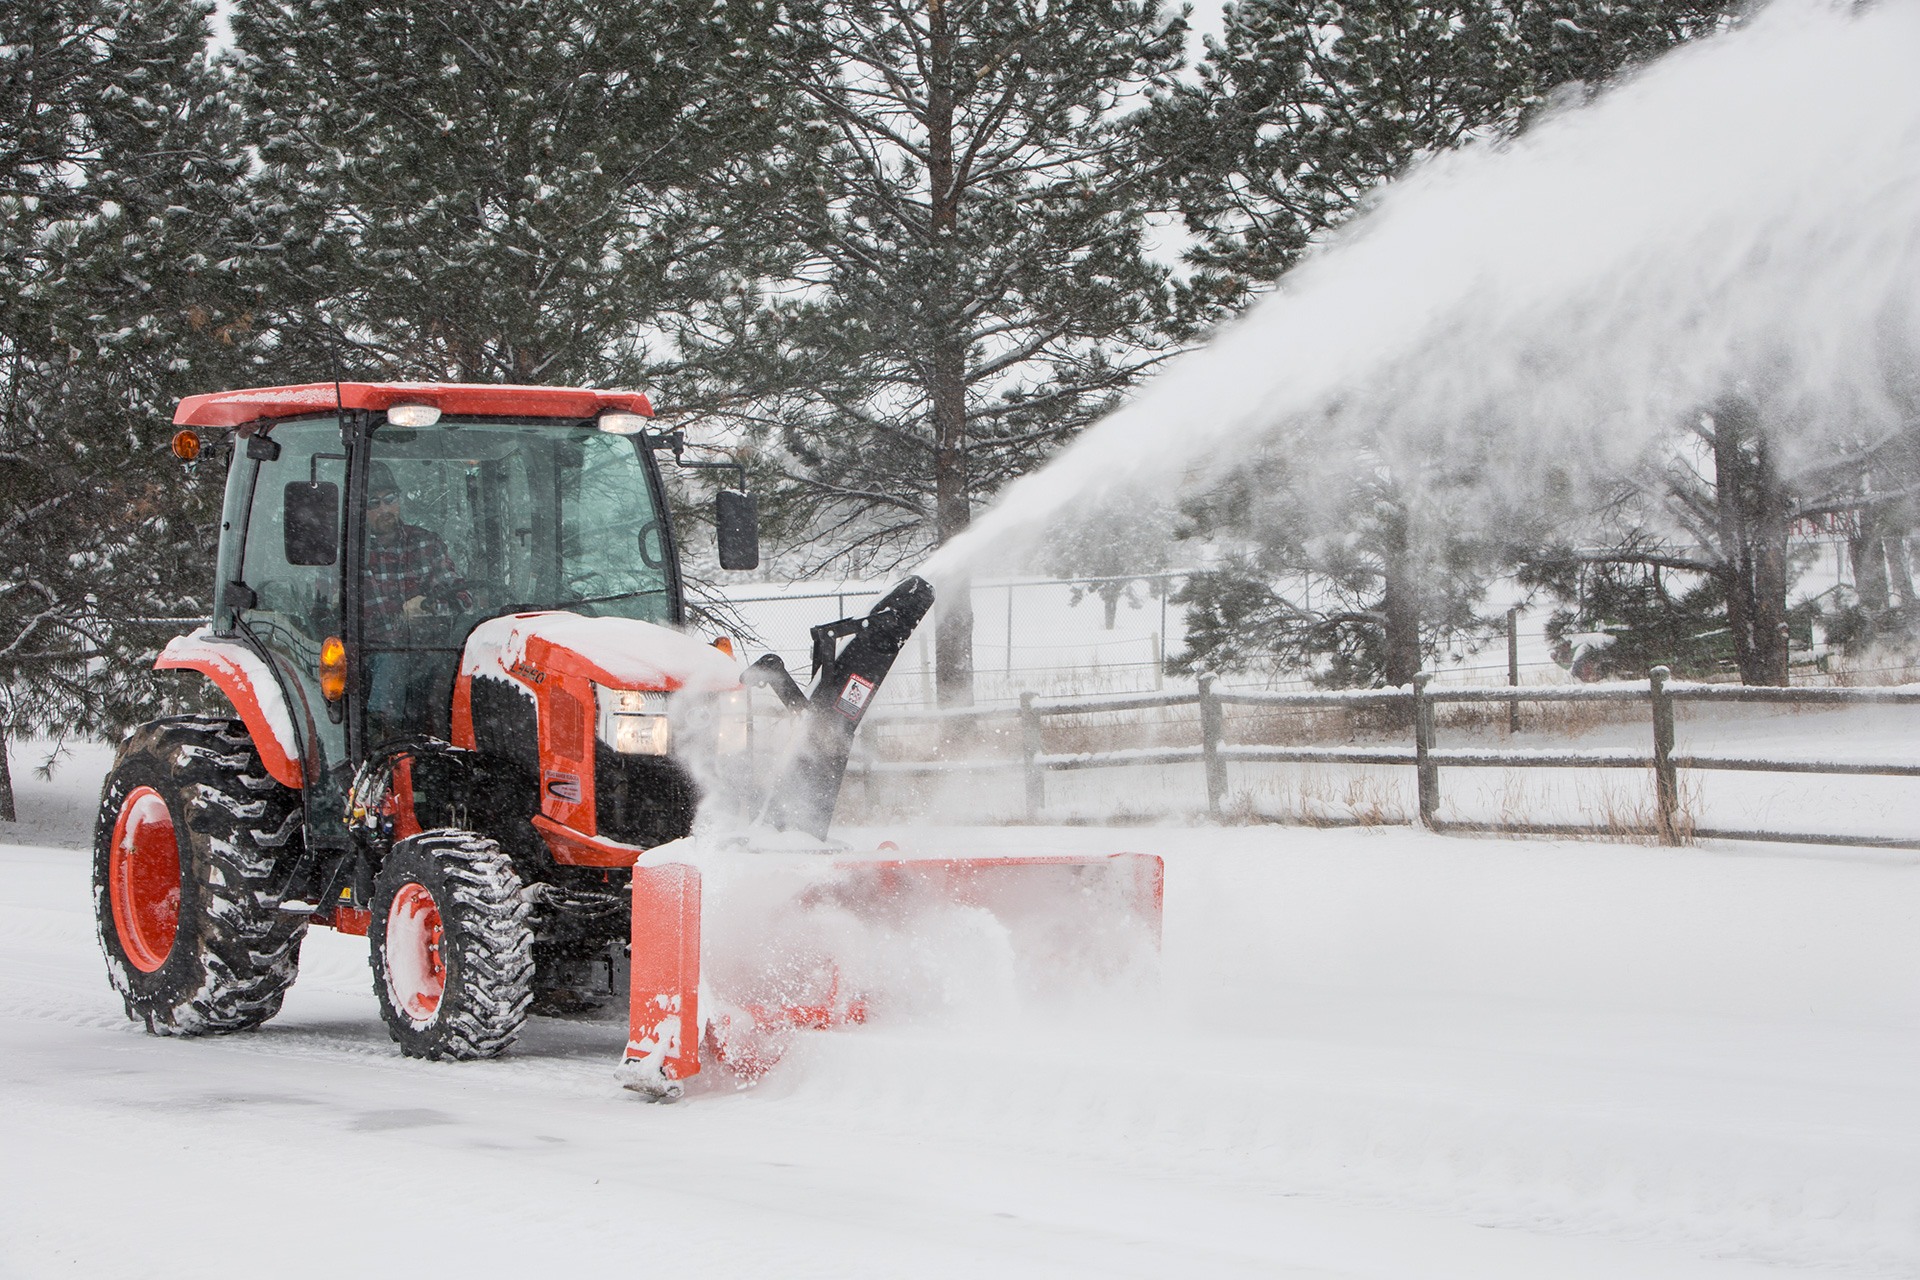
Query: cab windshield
{"x": 471, "y": 520}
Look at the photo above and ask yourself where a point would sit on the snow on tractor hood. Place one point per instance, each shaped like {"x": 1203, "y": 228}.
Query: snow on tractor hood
{"x": 621, "y": 653}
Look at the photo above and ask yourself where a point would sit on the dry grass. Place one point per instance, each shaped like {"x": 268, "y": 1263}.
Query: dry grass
{"x": 1546, "y": 719}
{"x": 1613, "y": 805}
{"x": 1287, "y": 727}
{"x": 1312, "y": 796}
{"x": 999, "y": 736}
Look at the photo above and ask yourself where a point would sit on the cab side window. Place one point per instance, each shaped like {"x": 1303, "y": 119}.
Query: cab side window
{"x": 302, "y": 599}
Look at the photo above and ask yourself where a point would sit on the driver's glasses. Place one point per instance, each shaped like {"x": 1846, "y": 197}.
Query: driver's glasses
{"x": 390, "y": 498}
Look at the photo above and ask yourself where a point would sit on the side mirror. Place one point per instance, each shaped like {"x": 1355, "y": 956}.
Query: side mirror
{"x": 310, "y": 522}
{"x": 737, "y": 515}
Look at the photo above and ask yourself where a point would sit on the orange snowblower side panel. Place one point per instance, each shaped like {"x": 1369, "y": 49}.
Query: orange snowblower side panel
{"x": 664, "y": 1014}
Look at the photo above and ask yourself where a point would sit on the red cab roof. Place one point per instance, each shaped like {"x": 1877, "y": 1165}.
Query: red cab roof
{"x": 231, "y": 408}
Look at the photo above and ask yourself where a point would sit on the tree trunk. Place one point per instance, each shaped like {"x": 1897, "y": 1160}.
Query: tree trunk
{"x": 1900, "y": 568}
{"x": 953, "y": 633}
{"x": 947, "y": 374}
{"x": 6, "y": 784}
{"x": 1755, "y": 513}
{"x": 1400, "y": 603}
{"x": 1868, "y": 554}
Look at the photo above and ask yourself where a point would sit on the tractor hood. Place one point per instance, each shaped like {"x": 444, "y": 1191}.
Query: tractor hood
{"x": 620, "y": 653}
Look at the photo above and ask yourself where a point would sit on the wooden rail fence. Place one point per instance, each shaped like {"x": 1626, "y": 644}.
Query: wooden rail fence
{"x": 1418, "y": 703}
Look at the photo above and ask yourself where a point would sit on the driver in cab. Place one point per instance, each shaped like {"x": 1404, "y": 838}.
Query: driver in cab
{"x": 409, "y": 574}
{"x": 409, "y": 578}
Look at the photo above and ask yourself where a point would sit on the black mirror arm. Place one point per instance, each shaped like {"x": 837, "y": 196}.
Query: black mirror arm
{"x": 676, "y": 442}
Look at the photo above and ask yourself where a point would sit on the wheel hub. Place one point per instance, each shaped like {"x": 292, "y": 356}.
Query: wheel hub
{"x": 143, "y": 879}
{"x": 416, "y": 968}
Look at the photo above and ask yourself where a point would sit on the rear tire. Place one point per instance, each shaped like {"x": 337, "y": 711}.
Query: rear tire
{"x": 452, "y": 950}
{"x": 185, "y": 844}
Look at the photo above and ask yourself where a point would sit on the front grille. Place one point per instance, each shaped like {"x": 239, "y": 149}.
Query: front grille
{"x": 643, "y": 800}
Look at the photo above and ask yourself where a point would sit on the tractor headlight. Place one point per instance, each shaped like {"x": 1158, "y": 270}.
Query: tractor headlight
{"x": 634, "y": 723}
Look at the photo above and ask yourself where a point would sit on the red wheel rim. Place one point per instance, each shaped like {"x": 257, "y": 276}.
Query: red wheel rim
{"x": 143, "y": 879}
{"x": 416, "y": 970}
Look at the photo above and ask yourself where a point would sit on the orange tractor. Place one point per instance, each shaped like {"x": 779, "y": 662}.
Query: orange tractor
{"x": 468, "y": 723}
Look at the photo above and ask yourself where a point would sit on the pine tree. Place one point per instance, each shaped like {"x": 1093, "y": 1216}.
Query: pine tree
{"x": 119, "y": 168}
{"x": 1354, "y": 582}
{"x": 1718, "y": 503}
{"x": 1303, "y": 108}
{"x": 508, "y": 190}
{"x": 971, "y": 285}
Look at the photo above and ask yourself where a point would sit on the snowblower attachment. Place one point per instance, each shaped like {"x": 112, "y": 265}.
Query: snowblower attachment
{"x": 739, "y": 942}
{"x": 734, "y": 949}
{"x": 845, "y": 680}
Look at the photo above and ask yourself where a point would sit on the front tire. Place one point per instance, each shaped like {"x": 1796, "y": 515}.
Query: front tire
{"x": 452, "y": 950}
{"x": 189, "y": 831}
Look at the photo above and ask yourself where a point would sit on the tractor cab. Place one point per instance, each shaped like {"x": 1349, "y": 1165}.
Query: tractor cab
{"x": 369, "y": 528}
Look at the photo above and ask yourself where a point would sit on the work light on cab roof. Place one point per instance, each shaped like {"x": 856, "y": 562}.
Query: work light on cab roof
{"x": 413, "y": 415}
{"x": 619, "y": 423}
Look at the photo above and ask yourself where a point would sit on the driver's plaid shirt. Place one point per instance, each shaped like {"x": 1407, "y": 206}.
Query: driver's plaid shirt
{"x": 414, "y": 563}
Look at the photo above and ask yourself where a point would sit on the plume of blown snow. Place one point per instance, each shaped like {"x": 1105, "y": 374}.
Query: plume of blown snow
{"x": 1740, "y": 218}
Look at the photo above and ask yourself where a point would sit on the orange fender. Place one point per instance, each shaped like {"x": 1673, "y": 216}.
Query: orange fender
{"x": 249, "y": 685}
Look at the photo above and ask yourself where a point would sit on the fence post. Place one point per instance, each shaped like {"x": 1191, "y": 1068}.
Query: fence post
{"x": 1029, "y": 756}
{"x": 1166, "y": 589}
{"x": 1513, "y": 669}
{"x": 927, "y": 694}
{"x": 1666, "y": 789}
{"x": 1009, "y": 662}
{"x": 1212, "y": 730}
{"x": 1428, "y": 772}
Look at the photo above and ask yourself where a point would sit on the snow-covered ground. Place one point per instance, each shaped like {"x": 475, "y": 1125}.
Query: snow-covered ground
{"x": 1372, "y": 1053}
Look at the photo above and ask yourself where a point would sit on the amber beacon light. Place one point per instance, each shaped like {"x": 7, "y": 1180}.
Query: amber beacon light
{"x": 333, "y": 669}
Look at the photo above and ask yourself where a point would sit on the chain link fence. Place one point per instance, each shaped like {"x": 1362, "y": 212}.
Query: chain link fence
{"x": 1101, "y": 635}
{"x": 1072, "y": 637}
{"x": 1091, "y": 636}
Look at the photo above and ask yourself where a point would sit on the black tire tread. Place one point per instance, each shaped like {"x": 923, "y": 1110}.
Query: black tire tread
{"x": 244, "y": 951}
{"x": 484, "y": 914}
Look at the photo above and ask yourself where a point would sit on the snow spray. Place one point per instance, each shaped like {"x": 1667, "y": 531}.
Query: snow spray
{"x": 1742, "y": 216}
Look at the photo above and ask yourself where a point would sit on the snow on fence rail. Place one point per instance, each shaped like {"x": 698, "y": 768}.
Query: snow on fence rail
{"x": 1417, "y": 703}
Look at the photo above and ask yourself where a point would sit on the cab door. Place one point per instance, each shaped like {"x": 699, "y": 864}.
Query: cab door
{"x": 292, "y": 580}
